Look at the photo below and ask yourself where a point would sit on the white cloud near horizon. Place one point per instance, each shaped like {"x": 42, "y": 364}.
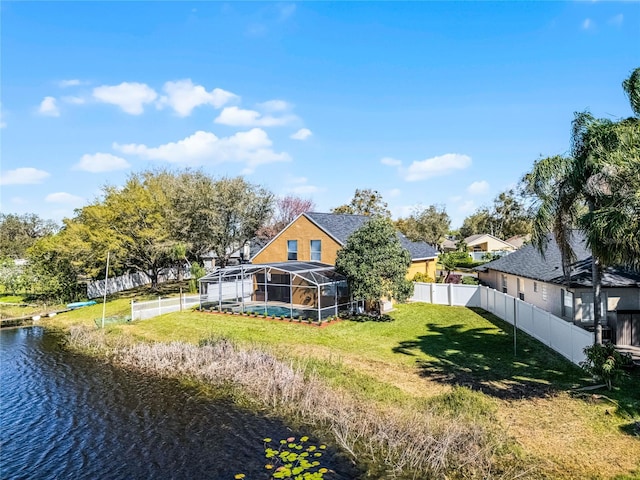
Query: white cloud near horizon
{"x": 3, "y": 123}
{"x": 101, "y": 162}
{"x": 239, "y": 117}
{"x": 392, "y": 162}
{"x": 74, "y": 100}
{"x": 434, "y": 167}
{"x": 23, "y": 176}
{"x": 131, "y": 97}
{"x": 183, "y": 96}
{"x": 274, "y": 106}
{"x": 301, "y": 134}
{"x": 588, "y": 24}
{"x": 253, "y": 148}
{"x": 478, "y": 188}
{"x": 616, "y": 20}
{"x": 301, "y": 186}
{"x": 71, "y": 83}
{"x": 48, "y": 107}
{"x": 63, "y": 197}
{"x": 467, "y": 207}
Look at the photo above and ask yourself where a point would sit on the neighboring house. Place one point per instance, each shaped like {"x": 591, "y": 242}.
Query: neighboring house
{"x": 483, "y": 243}
{"x": 518, "y": 241}
{"x": 539, "y": 280}
{"x": 238, "y": 256}
{"x": 449, "y": 246}
{"x": 317, "y": 237}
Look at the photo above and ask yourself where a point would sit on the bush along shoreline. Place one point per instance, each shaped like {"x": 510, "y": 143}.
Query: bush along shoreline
{"x": 383, "y": 442}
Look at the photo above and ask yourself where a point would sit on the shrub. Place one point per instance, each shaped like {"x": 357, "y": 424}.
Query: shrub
{"x": 605, "y": 363}
{"x": 467, "y": 280}
{"x": 423, "y": 277}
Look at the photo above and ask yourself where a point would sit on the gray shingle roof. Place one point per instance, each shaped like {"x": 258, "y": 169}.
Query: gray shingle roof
{"x": 340, "y": 226}
{"x": 528, "y": 262}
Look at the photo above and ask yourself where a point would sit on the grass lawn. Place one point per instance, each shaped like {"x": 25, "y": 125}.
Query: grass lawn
{"x": 415, "y": 360}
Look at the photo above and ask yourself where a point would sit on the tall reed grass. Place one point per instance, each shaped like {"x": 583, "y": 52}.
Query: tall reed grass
{"x": 387, "y": 442}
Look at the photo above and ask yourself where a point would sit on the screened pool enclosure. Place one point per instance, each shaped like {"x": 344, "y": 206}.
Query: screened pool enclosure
{"x": 305, "y": 290}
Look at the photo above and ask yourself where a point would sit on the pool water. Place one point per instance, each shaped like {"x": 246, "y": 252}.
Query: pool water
{"x": 272, "y": 310}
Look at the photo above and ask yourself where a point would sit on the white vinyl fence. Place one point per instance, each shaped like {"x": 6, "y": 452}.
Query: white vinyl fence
{"x": 153, "y": 308}
{"x": 558, "y": 334}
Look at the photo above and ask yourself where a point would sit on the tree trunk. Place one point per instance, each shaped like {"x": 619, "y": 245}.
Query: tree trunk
{"x": 154, "y": 278}
{"x": 597, "y": 299}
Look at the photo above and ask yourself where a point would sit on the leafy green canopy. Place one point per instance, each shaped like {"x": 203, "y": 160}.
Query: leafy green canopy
{"x": 375, "y": 263}
{"x": 429, "y": 225}
{"x": 365, "y": 202}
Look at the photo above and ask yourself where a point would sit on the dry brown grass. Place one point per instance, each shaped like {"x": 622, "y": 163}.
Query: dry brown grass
{"x": 390, "y": 443}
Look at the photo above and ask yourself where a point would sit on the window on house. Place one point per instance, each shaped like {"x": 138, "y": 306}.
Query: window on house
{"x": 504, "y": 284}
{"x": 567, "y": 304}
{"x": 544, "y": 292}
{"x": 521, "y": 289}
{"x": 292, "y": 250}
{"x": 535, "y": 287}
{"x": 588, "y": 314}
{"x": 316, "y": 250}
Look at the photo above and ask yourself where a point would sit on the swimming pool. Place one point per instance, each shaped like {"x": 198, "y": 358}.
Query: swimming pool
{"x": 272, "y": 310}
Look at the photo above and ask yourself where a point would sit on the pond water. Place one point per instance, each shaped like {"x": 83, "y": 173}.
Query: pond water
{"x": 68, "y": 416}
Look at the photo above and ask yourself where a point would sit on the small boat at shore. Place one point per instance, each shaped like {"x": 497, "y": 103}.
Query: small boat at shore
{"x": 75, "y": 305}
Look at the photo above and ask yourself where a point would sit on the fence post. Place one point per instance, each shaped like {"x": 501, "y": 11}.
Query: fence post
{"x": 515, "y": 327}
{"x": 450, "y": 294}
{"x": 432, "y": 292}
{"x": 159, "y": 305}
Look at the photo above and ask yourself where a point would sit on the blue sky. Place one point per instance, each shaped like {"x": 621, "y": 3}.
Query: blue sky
{"x": 427, "y": 102}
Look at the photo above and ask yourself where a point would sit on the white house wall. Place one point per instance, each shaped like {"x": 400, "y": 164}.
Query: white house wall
{"x": 552, "y": 304}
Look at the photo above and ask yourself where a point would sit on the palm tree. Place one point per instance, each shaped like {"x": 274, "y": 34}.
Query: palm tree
{"x": 597, "y": 190}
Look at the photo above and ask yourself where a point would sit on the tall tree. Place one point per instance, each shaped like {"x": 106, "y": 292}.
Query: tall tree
{"x": 478, "y": 222}
{"x": 286, "y": 210}
{"x": 219, "y": 215}
{"x": 19, "y": 232}
{"x": 375, "y": 263}
{"x": 507, "y": 217}
{"x": 365, "y": 202}
{"x": 595, "y": 190}
{"x": 429, "y": 225}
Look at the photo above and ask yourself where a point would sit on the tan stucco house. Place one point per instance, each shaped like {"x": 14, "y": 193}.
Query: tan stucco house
{"x": 317, "y": 237}
{"x": 539, "y": 280}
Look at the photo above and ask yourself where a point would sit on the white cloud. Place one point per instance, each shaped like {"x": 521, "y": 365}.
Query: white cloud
{"x": 71, "y": 83}
{"x": 74, "y": 100}
{"x": 616, "y": 20}
{"x": 286, "y": 10}
{"x": 588, "y": 24}
{"x": 301, "y": 186}
{"x": 301, "y": 134}
{"x": 435, "y": 166}
{"x": 101, "y": 162}
{"x": 478, "y": 188}
{"x": 23, "y": 176}
{"x": 392, "y": 162}
{"x": 3, "y": 124}
{"x": 63, "y": 197}
{"x": 19, "y": 201}
{"x": 239, "y": 117}
{"x": 183, "y": 96}
{"x": 467, "y": 207}
{"x": 130, "y": 97}
{"x": 252, "y": 148}
{"x": 48, "y": 107}
{"x": 274, "y": 106}
{"x": 394, "y": 192}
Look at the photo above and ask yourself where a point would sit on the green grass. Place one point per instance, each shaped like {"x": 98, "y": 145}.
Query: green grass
{"x": 421, "y": 358}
